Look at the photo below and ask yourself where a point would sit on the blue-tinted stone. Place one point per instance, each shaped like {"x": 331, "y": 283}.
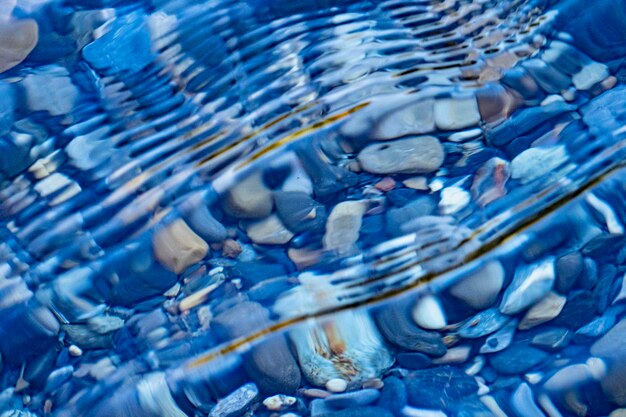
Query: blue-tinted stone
{"x": 358, "y": 412}
{"x": 236, "y": 403}
{"x": 353, "y": 399}
{"x": 552, "y": 339}
{"x": 517, "y": 358}
{"x": 578, "y": 310}
{"x": 299, "y": 212}
{"x": 413, "y": 360}
{"x": 568, "y": 269}
{"x": 439, "y": 388}
{"x": 483, "y": 323}
{"x": 393, "y": 396}
{"x": 398, "y": 219}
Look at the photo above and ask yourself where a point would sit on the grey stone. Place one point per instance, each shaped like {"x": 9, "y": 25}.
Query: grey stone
{"x": 610, "y": 347}
{"x": 353, "y": 399}
{"x": 236, "y": 403}
{"x": 530, "y": 284}
{"x": 483, "y": 323}
{"x": 249, "y": 199}
{"x": 299, "y": 212}
{"x": 481, "y": 288}
{"x": 416, "y": 155}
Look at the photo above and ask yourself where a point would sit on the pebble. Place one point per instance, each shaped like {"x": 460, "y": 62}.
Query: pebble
{"x": 408, "y": 119}
{"x": 353, "y": 399}
{"x": 231, "y": 248}
{"x": 315, "y": 393}
{"x": 236, "y": 403}
{"x": 523, "y": 402}
{"x": 545, "y": 310}
{"x": 455, "y": 355}
{"x": 590, "y": 75}
{"x": 568, "y": 269}
{"x": 428, "y": 313}
{"x": 418, "y": 155}
{"x": 343, "y": 225}
{"x": 17, "y": 39}
{"x": 416, "y": 183}
{"x": 456, "y": 113}
{"x": 269, "y": 231}
{"x": 442, "y": 387}
{"x": 517, "y": 358}
{"x": 483, "y": 323}
{"x": 51, "y": 91}
{"x": 249, "y": 199}
{"x": 357, "y": 412}
{"x": 400, "y": 221}
{"x": 299, "y": 212}
{"x": 413, "y": 360}
{"x": 393, "y": 396}
{"x": 481, "y": 288}
{"x": 453, "y": 199}
{"x": 552, "y": 339}
{"x": 501, "y": 339}
{"x": 610, "y": 347}
{"x": 177, "y": 247}
{"x": 421, "y": 412}
{"x": 490, "y": 181}
{"x": 279, "y": 402}
{"x": 530, "y": 284}
{"x": 336, "y": 385}
{"x": 537, "y": 163}
{"x": 75, "y": 350}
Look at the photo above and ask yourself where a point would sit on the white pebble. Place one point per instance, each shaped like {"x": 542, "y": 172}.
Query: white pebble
{"x": 429, "y": 314}
{"x": 456, "y": 113}
{"x": 534, "y": 163}
{"x": 337, "y": 385}
{"x": 453, "y": 199}
{"x": 590, "y": 75}
{"x": 278, "y": 402}
{"x": 75, "y": 350}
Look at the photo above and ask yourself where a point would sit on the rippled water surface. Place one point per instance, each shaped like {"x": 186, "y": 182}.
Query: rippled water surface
{"x": 313, "y": 208}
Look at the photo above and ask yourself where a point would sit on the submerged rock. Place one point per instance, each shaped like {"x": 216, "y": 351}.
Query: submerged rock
{"x": 417, "y": 155}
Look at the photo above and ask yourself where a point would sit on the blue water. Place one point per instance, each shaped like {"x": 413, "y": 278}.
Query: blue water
{"x": 326, "y": 209}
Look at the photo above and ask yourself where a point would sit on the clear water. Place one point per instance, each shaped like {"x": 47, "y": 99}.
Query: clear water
{"x": 247, "y": 208}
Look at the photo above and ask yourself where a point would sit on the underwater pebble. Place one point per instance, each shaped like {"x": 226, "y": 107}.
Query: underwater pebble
{"x": 279, "y": 402}
{"x": 480, "y": 289}
{"x": 416, "y": 183}
{"x": 455, "y": 355}
{"x": 516, "y": 359}
{"x": 353, "y": 399}
{"x": 177, "y": 246}
{"x": 536, "y": 163}
{"x": 299, "y": 212}
{"x": 545, "y": 310}
{"x": 530, "y": 284}
{"x": 336, "y": 385}
{"x": 453, "y": 199}
{"x": 343, "y": 225}
{"x": 552, "y": 339}
{"x": 439, "y": 388}
{"x": 501, "y": 339}
{"x": 413, "y": 360}
{"x": 429, "y": 314}
{"x": 610, "y": 348}
{"x": 590, "y": 75}
{"x": 269, "y": 231}
{"x": 456, "y": 113}
{"x": 75, "y": 350}
{"x": 417, "y": 155}
{"x": 523, "y": 402}
{"x": 236, "y": 403}
{"x": 483, "y": 323}
{"x": 249, "y": 199}
{"x": 17, "y": 39}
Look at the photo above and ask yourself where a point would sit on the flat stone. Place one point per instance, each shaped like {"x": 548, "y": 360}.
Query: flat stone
{"x": 413, "y": 360}
{"x": 453, "y": 199}
{"x": 480, "y": 289}
{"x": 343, "y": 225}
{"x": 545, "y": 310}
{"x": 517, "y": 359}
{"x": 279, "y": 402}
{"x": 552, "y": 339}
{"x": 610, "y": 347}
{"x": 299, "y": 212}
{"x": 236, "y": 403}
{"x": 249, "y": 199}
{"x": 17, "y": 39}
{"x": 455, "y": 355}
{"x": 530, "y": 284}
{"x": 410, "y": 119}
{"x": 353, "y": 399}
{"x": 483, "y": 323}
{"x": 442, "y": 387}
{"x": 269, "y": 231}
{"x": 51, "y": 91}
{"x": 393, "y": 395}
{"x": 428, "y": 313}
{"x": 536, "y": 163}
{"x": 177, "y": 246}
{"x": 456, "y": 113}
{"x": 417, "y": 155}
{"x": 590, "y": 75}
{"x": 568, "y": 269}
{"x": 501, "y": 339}
{"x": 336, "y": 385}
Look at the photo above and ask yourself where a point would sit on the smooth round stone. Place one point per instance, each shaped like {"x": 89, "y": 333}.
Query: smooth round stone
{"x": 393, "y": 395}
{"x": 568, "y": 269}
{"x": 249, "y": 199}
{"x": 75, "y": 351}
{"x": 530, "y": 284}
{"x": 453, "y": 199}
{"x": 428, "y": 313}
{"x": 279, "y": 402}
{"x": 590, "y": 75}
{"x": 337, "y": 385}
{"x": 421, "y": 412}
{"x": 545, "y": 310}
{"x": 17, "y": 39}
{"x": 480, "y": 289}
{"x": 455, "y": 355}
{"x": 516, "y": 359}
{"x": 299, "y": 212}
{"x": 535, "y": 163}
{"x": 343, "y": 225}
{"x": 269, "y": 231}
{"x": 353, "y": 399}
{"x": 177, "y": 246}
{"x": 620, "y": 412}
{"x": 418, "y": 155}
{"x": 483, "y": 323}
{"x": 413, "y": 360}
{"x": 439, "y": 388}
{"x": 610, "y": 347}
{"x": 456, "y": 113}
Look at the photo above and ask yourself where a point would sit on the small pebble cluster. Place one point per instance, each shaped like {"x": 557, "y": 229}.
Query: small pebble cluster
{"x": 331, "y": 210}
